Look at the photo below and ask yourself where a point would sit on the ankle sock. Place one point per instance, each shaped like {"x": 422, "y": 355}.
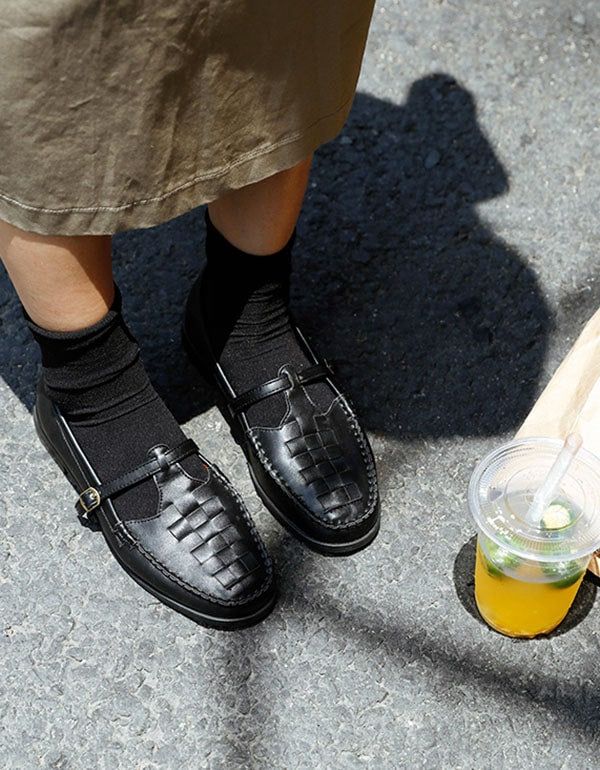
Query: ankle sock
{"x": 245, "y": 304}
{"x": 96, "y": 378}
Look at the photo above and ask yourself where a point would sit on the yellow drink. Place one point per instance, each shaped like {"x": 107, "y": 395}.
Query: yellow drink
{"x": 519, "y": 597}
{"x": 536, "y": 504}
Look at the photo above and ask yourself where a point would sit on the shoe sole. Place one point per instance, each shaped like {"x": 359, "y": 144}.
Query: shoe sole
{"x": 318, "y": 546}
{"x": 209, "y": 621}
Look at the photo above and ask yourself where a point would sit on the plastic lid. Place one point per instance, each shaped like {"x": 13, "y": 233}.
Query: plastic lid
{"x": 501, "y": 491}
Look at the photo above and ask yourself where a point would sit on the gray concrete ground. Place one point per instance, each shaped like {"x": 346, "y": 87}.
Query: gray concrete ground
{"x": 447, "y": 259}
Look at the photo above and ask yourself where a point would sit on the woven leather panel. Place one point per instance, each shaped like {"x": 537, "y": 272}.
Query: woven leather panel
{"x": 200, "y": 519}
{"x": 318, "y": 458}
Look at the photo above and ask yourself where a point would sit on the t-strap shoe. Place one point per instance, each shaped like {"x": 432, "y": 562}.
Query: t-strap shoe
{"x": 314, "y": 472}
{"x": 198, "y": 552}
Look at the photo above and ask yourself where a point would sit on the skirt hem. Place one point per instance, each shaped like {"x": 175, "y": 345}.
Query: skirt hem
{"x": 154, "y": 210}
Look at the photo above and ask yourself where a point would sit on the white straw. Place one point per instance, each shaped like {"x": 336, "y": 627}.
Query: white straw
{"x": 545, "y": 494}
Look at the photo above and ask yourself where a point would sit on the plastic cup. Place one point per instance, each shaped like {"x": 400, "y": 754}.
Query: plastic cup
{"x": 527, "y": 574}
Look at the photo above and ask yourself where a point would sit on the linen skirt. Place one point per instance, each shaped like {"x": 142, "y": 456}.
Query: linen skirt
{"x": 119, "y": 114}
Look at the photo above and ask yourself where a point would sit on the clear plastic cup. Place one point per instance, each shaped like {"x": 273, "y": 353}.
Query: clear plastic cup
{"x": 528, "y": 573}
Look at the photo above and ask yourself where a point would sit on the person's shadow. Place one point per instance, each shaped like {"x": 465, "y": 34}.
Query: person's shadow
{"x": 440, "y": 326}
{"x": 437, "y": 326}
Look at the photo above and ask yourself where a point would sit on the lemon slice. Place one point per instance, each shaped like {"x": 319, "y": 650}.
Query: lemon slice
{"x": 563, "y": 573}
{"x": 557, "y": 516}
{"x": 498, "y": 560}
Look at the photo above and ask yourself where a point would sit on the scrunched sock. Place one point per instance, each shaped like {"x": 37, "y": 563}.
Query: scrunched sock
{"x": 97, "y": 379}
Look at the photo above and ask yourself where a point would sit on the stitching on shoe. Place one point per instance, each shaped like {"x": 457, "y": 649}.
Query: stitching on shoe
{"x": 365, "y": 453}
{"x": 266, "y": 561}
{"x": 196, "y": 591}
{"x": 364, "y": 447}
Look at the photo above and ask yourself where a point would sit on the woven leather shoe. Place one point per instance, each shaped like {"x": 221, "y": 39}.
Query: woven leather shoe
{"x": 198, "y": 552}
{"x": 314, "y": 472}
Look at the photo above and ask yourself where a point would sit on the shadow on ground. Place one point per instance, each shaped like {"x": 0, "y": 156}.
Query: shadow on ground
{"x": 439, "y": 328}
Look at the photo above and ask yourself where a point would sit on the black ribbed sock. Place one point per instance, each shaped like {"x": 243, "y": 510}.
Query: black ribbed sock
{"x": 97, "y": 379}
{"x": 245, "y": 301}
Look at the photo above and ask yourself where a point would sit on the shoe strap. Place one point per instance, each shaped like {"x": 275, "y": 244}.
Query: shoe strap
{"x": 250, "y": 397}
{"x": 92, "y": 497}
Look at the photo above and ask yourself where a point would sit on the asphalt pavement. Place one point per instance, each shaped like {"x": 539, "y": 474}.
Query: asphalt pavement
{"x": 447, "y": 258}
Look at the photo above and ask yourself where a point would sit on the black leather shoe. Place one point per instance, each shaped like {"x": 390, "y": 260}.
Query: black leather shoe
{"x": 198, "y": 552}
{"x": 314, "y": 472}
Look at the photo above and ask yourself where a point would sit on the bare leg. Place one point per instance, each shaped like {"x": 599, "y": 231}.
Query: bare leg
{"x": 260, "y": 218}
{"x": 64, "y": 283}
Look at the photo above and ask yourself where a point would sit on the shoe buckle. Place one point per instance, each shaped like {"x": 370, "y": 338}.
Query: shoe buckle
{"x": 88, "y": 500}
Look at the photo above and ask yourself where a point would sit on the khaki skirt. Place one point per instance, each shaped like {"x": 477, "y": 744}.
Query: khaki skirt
{"x": 118, "y": 114}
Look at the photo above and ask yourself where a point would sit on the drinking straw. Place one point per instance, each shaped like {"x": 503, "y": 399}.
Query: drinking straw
{"x": 545, "y": 494}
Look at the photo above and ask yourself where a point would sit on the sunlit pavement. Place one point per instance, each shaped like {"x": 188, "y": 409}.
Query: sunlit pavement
{"x": 447, "y": 258}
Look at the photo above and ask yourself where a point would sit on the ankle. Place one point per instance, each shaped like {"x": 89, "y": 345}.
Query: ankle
{"x": 96, "y": 372}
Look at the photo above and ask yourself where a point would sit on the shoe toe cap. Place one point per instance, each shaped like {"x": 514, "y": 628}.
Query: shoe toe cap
{"x": 210, "y": 560}
{"x": 323, "y": 483}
